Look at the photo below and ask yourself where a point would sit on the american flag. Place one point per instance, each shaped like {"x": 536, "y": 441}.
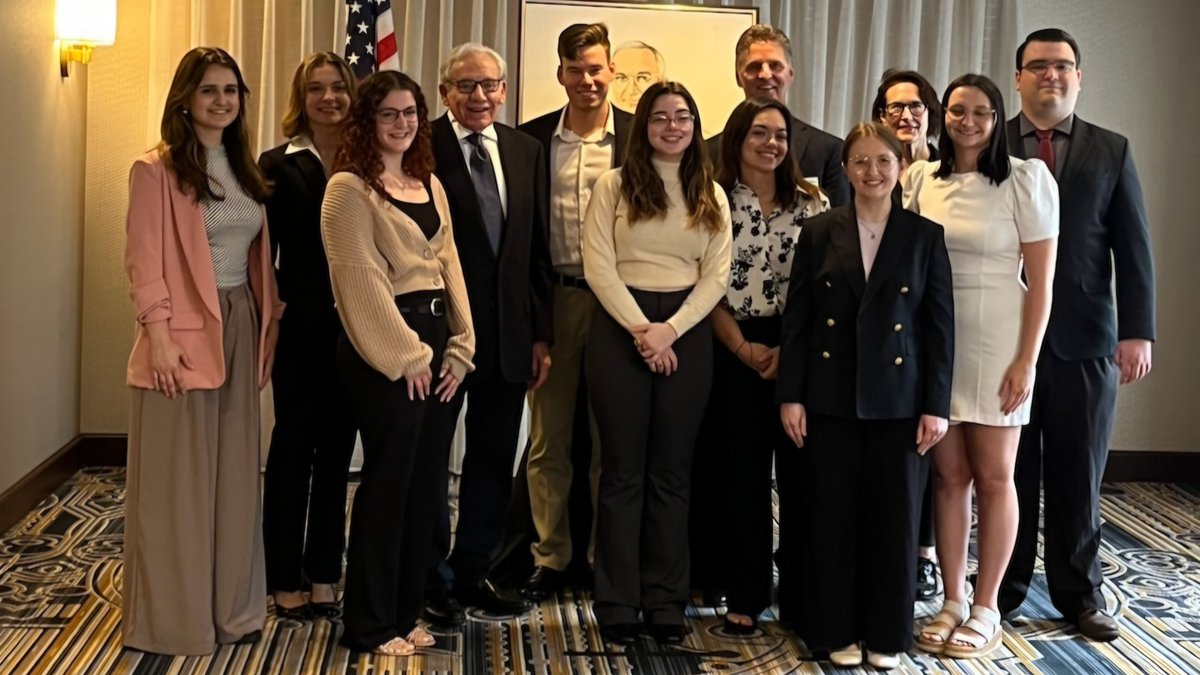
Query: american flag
{"x": 370, "y": 37}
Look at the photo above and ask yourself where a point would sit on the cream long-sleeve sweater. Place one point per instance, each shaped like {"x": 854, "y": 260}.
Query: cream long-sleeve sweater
{"x": 660, "y": 254}
{"x": 375, "y": 253}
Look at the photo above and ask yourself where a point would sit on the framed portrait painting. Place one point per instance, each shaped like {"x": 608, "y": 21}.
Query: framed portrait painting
{"x": 650, "y": 43}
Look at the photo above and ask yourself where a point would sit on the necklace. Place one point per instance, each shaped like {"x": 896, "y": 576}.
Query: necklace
{"x": 871, "y": 232}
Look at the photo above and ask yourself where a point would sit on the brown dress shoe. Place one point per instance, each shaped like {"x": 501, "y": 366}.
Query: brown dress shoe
{"x": 1098, "y": 626}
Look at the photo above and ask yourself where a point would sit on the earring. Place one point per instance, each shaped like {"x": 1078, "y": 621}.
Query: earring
{"x": 186, "y": 111}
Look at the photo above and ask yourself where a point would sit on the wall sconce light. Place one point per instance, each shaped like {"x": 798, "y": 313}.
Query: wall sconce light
{"x": 81, "y": 25}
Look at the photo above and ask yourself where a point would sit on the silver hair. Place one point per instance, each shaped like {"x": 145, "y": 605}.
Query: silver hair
{"x": 464, "y": 50}
{"x": 638, "y": 44}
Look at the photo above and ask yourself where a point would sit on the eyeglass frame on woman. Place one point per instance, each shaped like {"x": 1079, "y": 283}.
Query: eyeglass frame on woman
{"x": 681, "y": 121}
{"x": 896, "y": 110}
{"x": 976, "y": 115}
{"x": 390, "y": 115}
{"x": 884, "y": 163}
{"x": 489, "y": 86}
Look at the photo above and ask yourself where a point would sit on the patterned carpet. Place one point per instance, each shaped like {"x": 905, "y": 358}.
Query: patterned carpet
{"x": 60, "y": 590}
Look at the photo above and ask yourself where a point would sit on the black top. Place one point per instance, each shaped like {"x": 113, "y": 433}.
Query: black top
{"x": 424, "y": 214}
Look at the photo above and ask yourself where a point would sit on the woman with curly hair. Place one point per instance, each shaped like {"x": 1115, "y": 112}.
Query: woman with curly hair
{"x": 406, "y": 345}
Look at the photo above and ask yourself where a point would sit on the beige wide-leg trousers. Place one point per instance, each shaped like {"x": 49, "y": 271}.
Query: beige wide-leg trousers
{"x": 194, "y": 571}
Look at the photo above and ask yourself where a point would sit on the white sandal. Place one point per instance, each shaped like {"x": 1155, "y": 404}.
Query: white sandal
{"x": 937, "y": 632}
{"x": 846, "y": 657}
{"x": 983, "y": 639}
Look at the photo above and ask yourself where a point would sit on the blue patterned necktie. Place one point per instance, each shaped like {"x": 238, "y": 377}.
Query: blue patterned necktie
{"x": 483, "y": 175}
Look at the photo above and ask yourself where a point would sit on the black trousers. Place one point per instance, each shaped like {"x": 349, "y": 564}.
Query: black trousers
{"x": 406, "y": 450}
{"x": 927, "y": 536}
{"x": 731, "y": 526}
{"x": 492, "y": 426}
{"x": 1063, "y": 449}
{"x": 863, "y": 481}
{"x": 648, "y": 425}
{"x": 309, "y": 457}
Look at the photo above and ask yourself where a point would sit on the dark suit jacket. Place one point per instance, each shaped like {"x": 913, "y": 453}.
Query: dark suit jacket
{"x": 820, "y": 155}
{"x": 542, "y": 128}
{"x": 294, "y": 212}
{"x": 509, "y": 292}
{"x": 878, "y": 348}
{"x": 1103, "y": 222}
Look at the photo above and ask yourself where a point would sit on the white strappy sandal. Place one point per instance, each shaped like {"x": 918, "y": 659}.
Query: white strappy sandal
{"x": 984, "y": 636}
{"x": 937, "y": 632}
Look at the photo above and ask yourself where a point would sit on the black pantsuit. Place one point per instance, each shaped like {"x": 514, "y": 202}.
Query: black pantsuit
{"x": 864, "y": 488}
{"x": 1080, "y": 397}
{"x": 731, "y": 525}
{"x": 648, "y": 425}
{"x": 304, "y": 489}
{"x": 406, "y": 448}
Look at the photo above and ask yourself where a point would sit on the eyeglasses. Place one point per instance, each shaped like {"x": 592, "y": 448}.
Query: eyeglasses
{"x": 682, "y": 120}
{"x": 1040, "y": 67}
{"x": 390, "y": 115}
{"x": 884, "y": 163}
{"x": 468, "y": 86}
{"x": 980, "y": 115}
{"x": 896, "y": 110}
{"x": 642, "y": 79}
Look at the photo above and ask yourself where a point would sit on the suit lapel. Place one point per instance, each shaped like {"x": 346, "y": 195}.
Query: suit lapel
{"x": 1016, "y": 144}
{"x": 844, "y": 237}
{"x": 452, "y": 170}
{"x": 894, "y": 242}
{"x": 188, "y": 217}
{"x": 1080, "y": 148}
{"x": 312, "y": 171}
{"x": 799, "y": 141}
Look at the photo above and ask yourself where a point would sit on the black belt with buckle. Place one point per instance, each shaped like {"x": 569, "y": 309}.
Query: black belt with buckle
{"x": 430, "y": 306}
{"x": 573, "y": 282}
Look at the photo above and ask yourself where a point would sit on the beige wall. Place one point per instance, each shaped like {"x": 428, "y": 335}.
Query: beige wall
{"x": 41, "y": 228}
{"x": 1138, "y": 63}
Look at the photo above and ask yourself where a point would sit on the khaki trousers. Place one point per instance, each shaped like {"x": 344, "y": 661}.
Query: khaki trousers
{"x": 194, "y": 571}
{"x": 552, "y": 419}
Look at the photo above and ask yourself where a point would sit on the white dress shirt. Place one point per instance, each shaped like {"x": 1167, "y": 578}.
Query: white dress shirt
{"x": 493, "y": 147}
{"x": 575, "y": 164}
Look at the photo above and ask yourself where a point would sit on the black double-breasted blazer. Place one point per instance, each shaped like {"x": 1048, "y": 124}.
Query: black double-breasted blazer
{"x": 509, "y": 291}
{"x": 877, "y": 348}
{"x": 1102, "y": 226}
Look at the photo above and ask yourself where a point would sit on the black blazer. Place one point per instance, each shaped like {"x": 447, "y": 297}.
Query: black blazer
{"x": 881, "y": 348}
{"x": 1103, "y": 222}
{"x": 820, "y": 155}
{"x": 294, "y": 212}
{"x": 542, "y": 128}
{"x": 510, "y": 292}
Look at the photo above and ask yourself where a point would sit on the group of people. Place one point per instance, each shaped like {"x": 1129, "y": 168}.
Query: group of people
{"x": 774, "y": 303}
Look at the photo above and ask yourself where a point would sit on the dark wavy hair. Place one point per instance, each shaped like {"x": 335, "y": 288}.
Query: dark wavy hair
{"x": 295, "y": 120}
{"x": 1048, "y": 35}
{"x": 643, "y": 188}
{"x": 182, "y": 151}
{"x": 925, "y": 91}
{"x": 993, "y": 160}
{"x": 359, "y": 152}
{"x": 789, "y": 181}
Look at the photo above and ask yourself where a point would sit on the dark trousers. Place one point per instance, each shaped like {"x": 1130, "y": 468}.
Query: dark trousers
{"x": 927, "y": 536}
{"x": 406, "y": 448}
{"x": 863, "y": 481}
{"x": 492, "y": 426}
{"x": 1063, "y": 449}
{"x": 648, "y": 425}
{"x": 730, "y": 526}
{"x": 309, "y": 457}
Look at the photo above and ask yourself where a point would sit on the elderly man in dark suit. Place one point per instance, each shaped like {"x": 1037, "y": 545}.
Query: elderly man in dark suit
{"x": 493, "y": 175}
{"x": 1091, "y": 344}
{"x": 580, "y": 141}
{"x": 764, "y": 70}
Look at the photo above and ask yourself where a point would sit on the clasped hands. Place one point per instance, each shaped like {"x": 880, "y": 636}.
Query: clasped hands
{"x": 762, "y": 359}
{"x": 653, "y": 343}
{"x": 930, "y": 428}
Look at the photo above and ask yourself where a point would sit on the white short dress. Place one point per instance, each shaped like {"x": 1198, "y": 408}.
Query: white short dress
{"x": 985, "y": 226}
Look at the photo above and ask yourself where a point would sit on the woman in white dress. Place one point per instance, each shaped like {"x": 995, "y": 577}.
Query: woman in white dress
{"x": 1001, "y": 217}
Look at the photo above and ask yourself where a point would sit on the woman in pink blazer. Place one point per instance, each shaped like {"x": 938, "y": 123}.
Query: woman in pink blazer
{"x": 198, "y": 259}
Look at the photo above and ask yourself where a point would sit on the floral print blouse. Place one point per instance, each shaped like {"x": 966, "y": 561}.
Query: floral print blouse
{"x": 762, "y": 251}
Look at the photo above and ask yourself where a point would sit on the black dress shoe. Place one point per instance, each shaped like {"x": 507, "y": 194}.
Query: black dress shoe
{"x": 253, "y": 637}
{"x": 668, "y": 633}
{"x": 442, "y": 609}
{"x": 488, "y": 598}
{"x": 543, "y": 583}
{"x": 297, "y": 613}
{"x": 713, "y": 598}
{"x": 621, "y": 633}
{"x": 327, "y": 610}
{"x": 1098, "y": 626}
{"x": 926, "y": 579}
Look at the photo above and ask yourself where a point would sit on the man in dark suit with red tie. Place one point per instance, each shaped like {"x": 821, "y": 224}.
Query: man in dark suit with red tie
{"x": 1091, "y": 344}
{"x": 493, "y": 176}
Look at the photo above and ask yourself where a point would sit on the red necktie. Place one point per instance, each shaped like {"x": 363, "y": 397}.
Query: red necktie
{"x": 1046, "y": 147}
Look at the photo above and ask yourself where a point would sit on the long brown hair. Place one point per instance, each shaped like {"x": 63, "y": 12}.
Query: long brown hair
{"x": 359, "y": 153}
{"x": 789, "y": 181}
{"x": 182, "y": 151}
{"x": 643, "y": 188}
{"x": 295, "y": 120}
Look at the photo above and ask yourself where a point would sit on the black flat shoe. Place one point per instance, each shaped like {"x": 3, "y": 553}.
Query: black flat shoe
{"x": 443, "y": 609}
{"x": 488, "y": 598}
{"x": 297, "y": 613}
{"x": 713, "y": 597}
{"x": 621, "y": 633}
{"x": 253, "y": 637}
{"x": 327, "y": 610}
{"x": 926, "y": 579}
{"x": 669, "y": 633}
{"x": 543, "y": 583}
